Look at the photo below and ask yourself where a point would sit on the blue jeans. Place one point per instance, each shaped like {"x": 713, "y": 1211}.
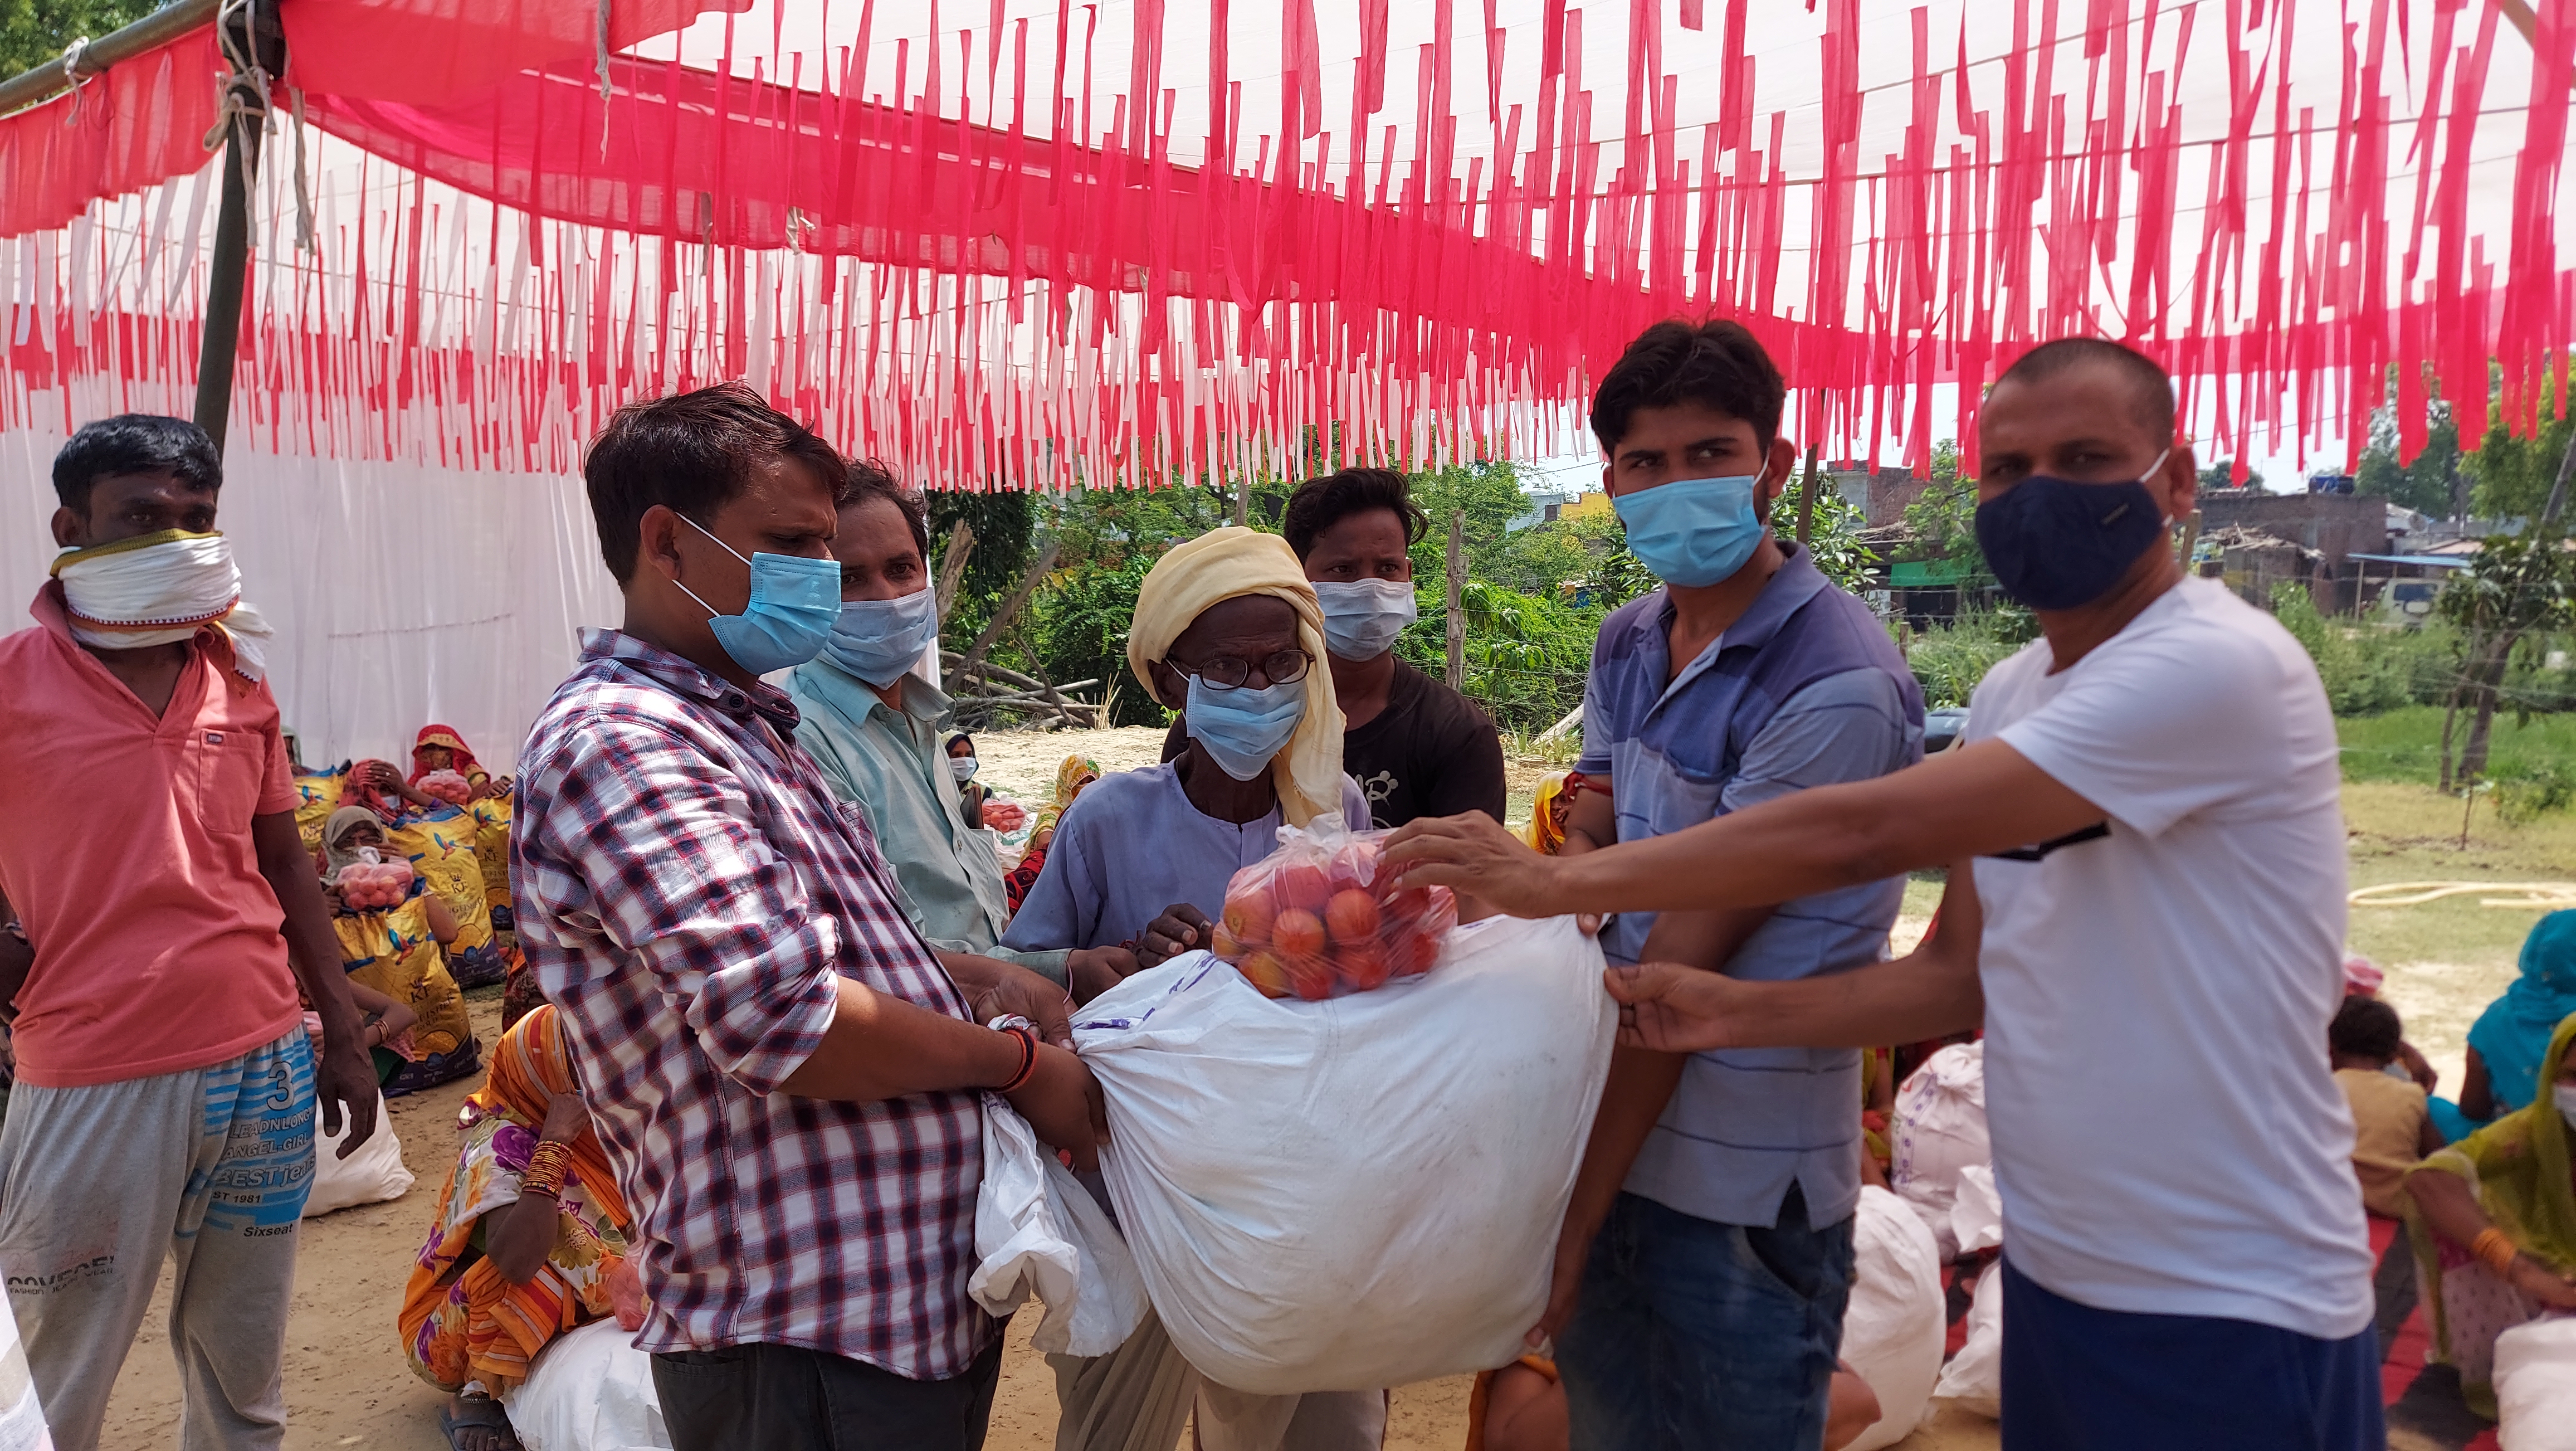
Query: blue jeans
{"x": 2107, "y": 1380}
{"x": 1706, "y": 1336}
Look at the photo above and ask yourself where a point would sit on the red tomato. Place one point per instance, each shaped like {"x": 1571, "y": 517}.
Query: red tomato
{"x": 1363, "y": 966}
{"x": 1352, "y": 916}
{"x": 1298, "y": 934}
{"x": 1249, "y": 916}
{"x": 1301, "y": 886}
{"x": 1261, "y": 967}
{"x": 1309, "y": 976}
{"x": 1224, "y": 944}
{"x": 1411, "y": 953}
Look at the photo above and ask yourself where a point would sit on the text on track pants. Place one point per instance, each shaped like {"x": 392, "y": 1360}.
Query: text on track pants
{"x": 211, "y": 1166}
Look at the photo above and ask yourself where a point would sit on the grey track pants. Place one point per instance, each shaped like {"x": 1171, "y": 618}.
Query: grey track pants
{"x": 209, "y": 1166}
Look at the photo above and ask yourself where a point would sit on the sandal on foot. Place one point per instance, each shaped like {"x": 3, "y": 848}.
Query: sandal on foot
{"x": 482, "y": 1413}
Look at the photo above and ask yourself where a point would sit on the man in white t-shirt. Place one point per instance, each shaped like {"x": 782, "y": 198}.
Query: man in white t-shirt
{"x": 2145, "y": 910}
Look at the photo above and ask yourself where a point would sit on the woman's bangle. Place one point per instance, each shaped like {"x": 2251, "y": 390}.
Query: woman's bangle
{"x": 1028, "y": 1059}
{"x": 2496, "y": 1250}
{"x": 547, "y": 1168}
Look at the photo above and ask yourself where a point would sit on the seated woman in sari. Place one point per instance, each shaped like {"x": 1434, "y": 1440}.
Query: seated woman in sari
{"x": 2495, "y": 1224}
{"x": 1071, "y": 776}
{"x": 383, "y": 788}
{"x": 440, "y": 748}
{"x": 529, "y": 1239}
{"x": 396, "y": 951}
{"x": 2506, "y": 1042}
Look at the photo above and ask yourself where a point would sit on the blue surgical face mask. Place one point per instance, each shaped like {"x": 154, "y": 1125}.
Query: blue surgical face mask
{"x": 881, "y": 641}
{"x": 794, "y": 604}
{"x": 1362, "y": 617}
{"x": 1243, "y": 729}
{"x": 2055, "y": 544}
{"x": 1693, "y": 532}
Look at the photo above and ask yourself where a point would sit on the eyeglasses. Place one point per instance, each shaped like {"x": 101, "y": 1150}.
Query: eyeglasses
{"x": 1228, "y": 672}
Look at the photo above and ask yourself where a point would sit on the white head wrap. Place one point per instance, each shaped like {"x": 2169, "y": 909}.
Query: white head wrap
{"x": 157, "y": 589}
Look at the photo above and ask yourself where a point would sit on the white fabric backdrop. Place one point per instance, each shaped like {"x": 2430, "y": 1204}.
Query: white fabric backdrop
{"x": 401, "y": 594}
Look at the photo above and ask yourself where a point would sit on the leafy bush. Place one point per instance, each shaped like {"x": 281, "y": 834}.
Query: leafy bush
{"x": 1948, "y": 660}
{"x": 2535, "y": 790}
{"x": 1526, "y": 656}
{"x": 1081, "y": 626}
{"x": 2361, "y": 677}
{"x": 1840, "y": 557}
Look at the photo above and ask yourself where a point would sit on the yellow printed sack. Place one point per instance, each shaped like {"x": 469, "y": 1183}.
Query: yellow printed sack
{"x": 492, "y": 847}
{"x": 441, "y": 846}
{"x": 391, "y": 950}
{"x": 317, "y": 795}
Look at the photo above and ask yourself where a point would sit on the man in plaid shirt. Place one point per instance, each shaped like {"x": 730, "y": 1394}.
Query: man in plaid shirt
{"x": 784, "y": 1074}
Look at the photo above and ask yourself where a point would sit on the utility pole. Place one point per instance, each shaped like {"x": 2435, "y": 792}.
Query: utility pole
{"x": 255, "y": 45}
{"x": 1457, "y": 618}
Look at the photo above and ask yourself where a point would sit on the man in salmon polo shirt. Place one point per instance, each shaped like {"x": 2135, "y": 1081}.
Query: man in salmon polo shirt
{"x": 160, "y": 912}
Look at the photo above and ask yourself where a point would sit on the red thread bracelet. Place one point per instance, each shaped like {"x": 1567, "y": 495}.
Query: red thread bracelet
{"x": 1028, "y": 1060}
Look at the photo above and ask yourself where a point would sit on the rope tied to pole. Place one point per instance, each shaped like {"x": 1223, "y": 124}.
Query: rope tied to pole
{"x": 604, "y": 89}
{"x": 72, "y": 76}
{"x": 304, "y": 240}
{"x": 245, "y": 90}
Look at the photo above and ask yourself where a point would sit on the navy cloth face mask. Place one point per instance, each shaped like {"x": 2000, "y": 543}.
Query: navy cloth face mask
{"x": 794, "y": 604}
{"x": 2055, "y": 544}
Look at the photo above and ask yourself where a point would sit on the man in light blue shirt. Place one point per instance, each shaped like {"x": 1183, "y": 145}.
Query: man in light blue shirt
{"x": 1707, "y": 1255}
{"x": 872, "y": 723}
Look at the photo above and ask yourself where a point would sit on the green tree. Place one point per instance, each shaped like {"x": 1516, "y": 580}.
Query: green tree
{"x": 1001, "y": 522}
{"x": 2432, "y": 484}
{"x": 34, "y": 32}
{"x": 2511, "y": 478}
{"x": 1080, "y": 625}
{"x": 1537, "y": 560}
{"x": 1831, "y": 539}
{"x": 2219, "y": 476}
{"x": 1490, "y": 496}
{"x": 1525, "y": 656}
{"x": 2519, "y": 586}
{"x": 1944, "y": 520}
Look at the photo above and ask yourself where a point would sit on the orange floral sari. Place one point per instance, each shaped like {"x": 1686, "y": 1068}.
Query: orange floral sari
{"x": 461, "y": 1320}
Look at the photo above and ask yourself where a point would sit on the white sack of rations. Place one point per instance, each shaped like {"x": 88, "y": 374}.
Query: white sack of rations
{"x": 589, "y": 1390}
{"x": 1893, "y": 1332}
{"x": 1975, "y": 1376}
{"x": 1358, "y": 1192}
{"x": 2535, "y": 1386}
{"x": 1937, "y": 1129}
{"x": 372, "y": 1175}
{"x": 1038, "y": 1231}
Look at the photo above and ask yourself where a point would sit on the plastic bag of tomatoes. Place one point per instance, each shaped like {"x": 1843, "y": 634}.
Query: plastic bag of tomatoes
{"x": 1312, "y": 920}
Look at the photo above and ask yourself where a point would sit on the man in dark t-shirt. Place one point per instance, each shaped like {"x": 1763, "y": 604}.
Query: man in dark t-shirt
{"x": 1414, "y": 745}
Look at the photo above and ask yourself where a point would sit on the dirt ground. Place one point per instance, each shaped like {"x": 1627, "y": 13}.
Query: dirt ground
{"x": 347, "y": 1384}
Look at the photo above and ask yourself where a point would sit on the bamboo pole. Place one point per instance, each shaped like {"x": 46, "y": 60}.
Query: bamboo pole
{"x": 34, "y": 87}
{"x": 256, "y": 34}
{"x": 1457, "y": 617}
